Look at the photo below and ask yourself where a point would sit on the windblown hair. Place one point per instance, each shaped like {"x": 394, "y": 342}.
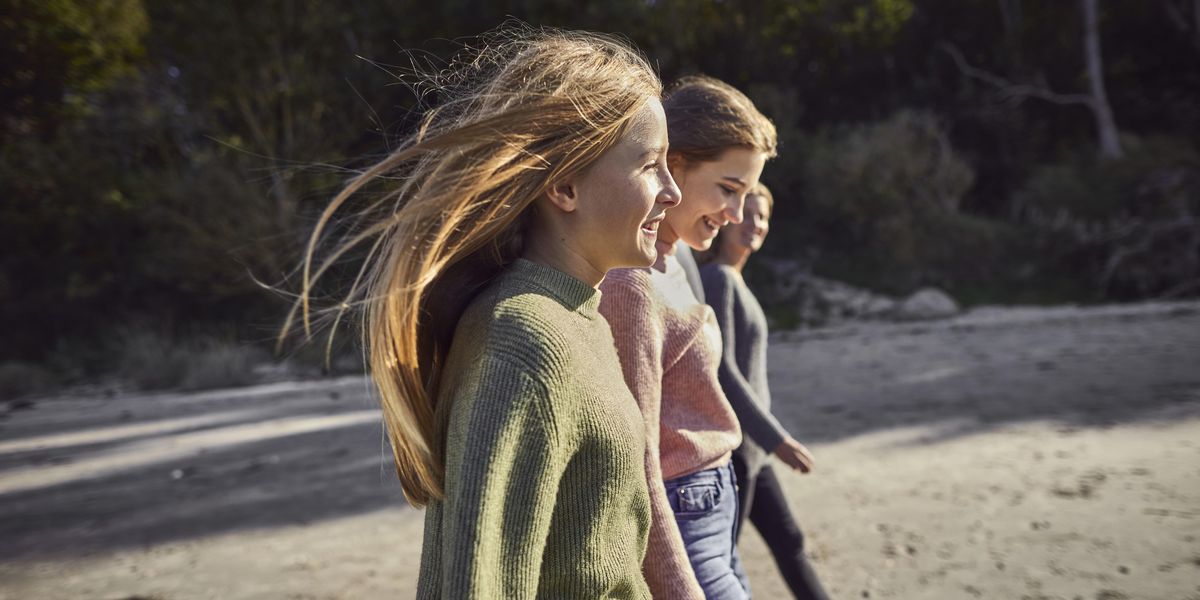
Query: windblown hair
{"x": 706, "y": 116}
{"x": 528, "y": 107}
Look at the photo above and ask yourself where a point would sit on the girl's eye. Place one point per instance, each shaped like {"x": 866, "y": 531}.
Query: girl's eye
{"x": 728, "y": 190}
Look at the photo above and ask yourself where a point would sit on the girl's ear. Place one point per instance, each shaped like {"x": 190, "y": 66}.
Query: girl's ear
{"x": 563, "y": 195}
{"x": 678, "y": 166}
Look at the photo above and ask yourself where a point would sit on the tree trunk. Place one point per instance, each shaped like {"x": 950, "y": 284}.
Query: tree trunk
{"x": 1010, "y": 13}
{"x": 1106, "y": 127}
{"x": 1196, "y": 24}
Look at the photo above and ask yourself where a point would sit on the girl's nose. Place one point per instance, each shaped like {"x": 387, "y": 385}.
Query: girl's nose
{"x": 670, "y": 194}
{"x": 733, "y": 211}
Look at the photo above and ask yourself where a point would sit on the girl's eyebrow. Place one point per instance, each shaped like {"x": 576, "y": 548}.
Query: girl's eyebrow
{"x": 736, "y": 180}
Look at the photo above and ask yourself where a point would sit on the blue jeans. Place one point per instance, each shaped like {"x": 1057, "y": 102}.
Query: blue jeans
{"x": 706, "y": 510}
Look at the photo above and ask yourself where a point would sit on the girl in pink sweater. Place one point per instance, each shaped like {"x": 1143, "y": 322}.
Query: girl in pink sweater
{"x": 670, "y": 346}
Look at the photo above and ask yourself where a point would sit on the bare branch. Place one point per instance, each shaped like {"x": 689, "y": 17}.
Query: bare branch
{"x": 1176, "y": 16}
{"x": 1011, "y": 91}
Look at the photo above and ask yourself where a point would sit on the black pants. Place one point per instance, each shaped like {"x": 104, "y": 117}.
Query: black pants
{"x": 763, "y": 501}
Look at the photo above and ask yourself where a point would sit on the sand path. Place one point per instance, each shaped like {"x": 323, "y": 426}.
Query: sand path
{"x": 1016, "y": 453}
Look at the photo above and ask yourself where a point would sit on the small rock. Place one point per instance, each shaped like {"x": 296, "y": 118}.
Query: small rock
{"x": 927, "y": 303}
{"x": 1124, "y": 570}
{"x": 178, "y": 474}
{"x": 878, "y": 305}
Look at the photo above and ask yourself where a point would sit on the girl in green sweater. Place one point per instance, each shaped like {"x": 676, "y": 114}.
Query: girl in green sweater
{"x": 486, "y": 234}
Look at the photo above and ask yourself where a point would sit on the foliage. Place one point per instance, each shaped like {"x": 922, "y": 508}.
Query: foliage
{"x": 61, "y": 51}
{"x": 890, "y": 190}
{"x": 160, "y": 159}
{"x": 151, "y": 361}
{"x": 22, "y": 378}
{"x": 1131, "y": 227}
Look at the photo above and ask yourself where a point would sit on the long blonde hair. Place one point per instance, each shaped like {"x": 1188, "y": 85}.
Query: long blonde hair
{"x": 524, "y": 109}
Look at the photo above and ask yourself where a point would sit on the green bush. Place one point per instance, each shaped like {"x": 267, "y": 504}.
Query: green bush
{"x": 1151, "y": 182}
{"x": 882, "y": 177}
{"x": 217, "y": 364}
{"x": 151, "y": 361}
{"x": 1129, "y": 228}
{"x": 22, "y": 378}
{"x": 883, "y": 203}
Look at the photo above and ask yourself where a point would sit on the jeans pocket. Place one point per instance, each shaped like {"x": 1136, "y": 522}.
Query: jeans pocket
{"x": 695, "y": 499}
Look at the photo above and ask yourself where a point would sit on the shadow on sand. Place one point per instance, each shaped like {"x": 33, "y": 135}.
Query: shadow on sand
{"x": 81, "y": 476}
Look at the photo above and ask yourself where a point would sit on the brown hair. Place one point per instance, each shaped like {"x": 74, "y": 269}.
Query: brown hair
{"x": 530, "y": 107}
{"x": 706, "y": 116}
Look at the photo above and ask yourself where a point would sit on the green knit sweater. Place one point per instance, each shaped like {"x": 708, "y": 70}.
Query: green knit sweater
{"x": 545, "y": 491}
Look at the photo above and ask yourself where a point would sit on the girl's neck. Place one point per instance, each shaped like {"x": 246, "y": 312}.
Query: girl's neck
{"x": 733, "y": 257}
{"x": 561, "y": 257}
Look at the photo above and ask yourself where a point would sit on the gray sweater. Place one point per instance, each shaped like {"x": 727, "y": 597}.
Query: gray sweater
{"x": 743, "y": 371}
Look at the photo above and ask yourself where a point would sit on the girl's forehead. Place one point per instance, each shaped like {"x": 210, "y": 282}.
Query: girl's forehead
{"x": 758, "y": 202}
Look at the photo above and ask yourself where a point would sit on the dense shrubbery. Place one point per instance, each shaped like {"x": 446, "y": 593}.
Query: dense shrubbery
{"x": 883, "y": 200}
{"x": 1129, "y": 227}
{"x": 23, "y": 378}
{"x": 150, "y": 361}
{"x": 881, "y": 209}
{"x": 148, "y": 164}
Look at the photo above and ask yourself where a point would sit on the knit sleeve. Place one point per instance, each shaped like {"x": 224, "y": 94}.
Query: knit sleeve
{"x": 638, "y": 331}
{"x": 506, "y": 475}
{"x": 754, "y": 416}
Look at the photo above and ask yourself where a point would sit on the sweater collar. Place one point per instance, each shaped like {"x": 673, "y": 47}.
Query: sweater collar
{"x": 569, "y": 291}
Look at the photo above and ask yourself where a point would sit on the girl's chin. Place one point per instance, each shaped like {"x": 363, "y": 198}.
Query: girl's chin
{"x": 702, "y": 244}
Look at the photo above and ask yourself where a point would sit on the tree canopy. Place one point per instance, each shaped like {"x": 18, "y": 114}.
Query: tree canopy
{"x": 161, "y": 159}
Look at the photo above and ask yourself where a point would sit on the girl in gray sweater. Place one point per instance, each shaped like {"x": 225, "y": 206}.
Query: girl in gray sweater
{"x": 743, "y": 376}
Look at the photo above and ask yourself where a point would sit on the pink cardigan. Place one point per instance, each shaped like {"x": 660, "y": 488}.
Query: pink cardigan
{"x": 670, "y": 347}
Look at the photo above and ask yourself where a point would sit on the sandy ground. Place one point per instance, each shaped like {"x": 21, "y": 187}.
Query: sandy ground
{"x": 1015, "y": 453}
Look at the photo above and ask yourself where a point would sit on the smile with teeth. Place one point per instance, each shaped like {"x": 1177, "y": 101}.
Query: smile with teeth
{"x": 651, "y": 226}
{"x": 712, "y": 224}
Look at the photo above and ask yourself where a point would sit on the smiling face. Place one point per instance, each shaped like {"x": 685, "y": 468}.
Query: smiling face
{"x": 622, "y": 198}
{"x": 752, "y": 231}
{"x": 713, "y": 194}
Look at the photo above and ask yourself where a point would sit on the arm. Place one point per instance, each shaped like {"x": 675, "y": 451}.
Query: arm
{"x": 754, "y": 417}
{"x": 756, "y": 420}
{"x": 504, "y": 462}
{"x": 638, "y": 332}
